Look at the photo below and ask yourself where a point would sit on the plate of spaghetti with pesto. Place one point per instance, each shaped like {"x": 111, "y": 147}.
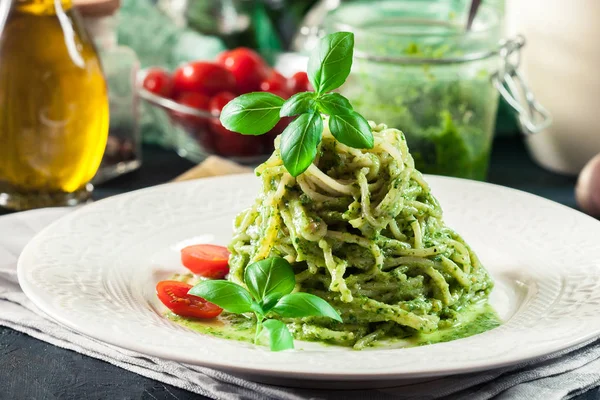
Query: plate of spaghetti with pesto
{"x": 335, "y": 261}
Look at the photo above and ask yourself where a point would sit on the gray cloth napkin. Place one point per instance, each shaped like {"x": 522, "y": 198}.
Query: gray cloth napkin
{"x": 559, "y": 376}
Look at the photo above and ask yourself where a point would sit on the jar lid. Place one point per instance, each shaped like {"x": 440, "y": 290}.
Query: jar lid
{"x": 97, "y": 8}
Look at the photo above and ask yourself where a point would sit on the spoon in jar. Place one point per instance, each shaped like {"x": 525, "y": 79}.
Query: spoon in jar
{"x": 472, "y": 13}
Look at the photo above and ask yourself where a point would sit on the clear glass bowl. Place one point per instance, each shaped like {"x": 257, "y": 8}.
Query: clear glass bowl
{"x": 194, "y": 133}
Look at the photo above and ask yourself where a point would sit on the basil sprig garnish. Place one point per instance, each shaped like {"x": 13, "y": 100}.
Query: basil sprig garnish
{"x": 270, "y": 283}
{"x": 329, "y": 65}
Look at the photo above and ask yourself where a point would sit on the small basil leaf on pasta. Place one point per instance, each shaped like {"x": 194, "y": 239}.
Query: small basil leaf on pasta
{"x": 299, "y": 142}
{"x": 329, "y": 63}
{"x": 225, "y": 294}
{"x": 298, "y": 305}
{"x": 334, "y": 104}
{"x": 269, "y": 278}
{"x": 279, "y": 335}
{"x": 352, "y": 130}
{"x": 252, "y": 113}
{"x": 300, "y": 103}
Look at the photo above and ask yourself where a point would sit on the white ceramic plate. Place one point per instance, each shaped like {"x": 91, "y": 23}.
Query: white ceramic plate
{"x": 95, "y": 271}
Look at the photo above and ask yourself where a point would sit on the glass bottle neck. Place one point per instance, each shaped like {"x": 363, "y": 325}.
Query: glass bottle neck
{"x": 43, "y": 7}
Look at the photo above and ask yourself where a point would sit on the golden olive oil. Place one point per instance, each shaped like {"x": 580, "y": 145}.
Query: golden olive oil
{"x": 53, "y": 106}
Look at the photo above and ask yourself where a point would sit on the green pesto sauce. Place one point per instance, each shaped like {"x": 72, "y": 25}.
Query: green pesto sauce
{"x": 225, "y": 326}
{"x": 478, "y": 319}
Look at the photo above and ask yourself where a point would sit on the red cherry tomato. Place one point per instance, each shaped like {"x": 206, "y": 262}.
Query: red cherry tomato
{"x": 207, "y": 260}
{"x": 232, "y": 144}
{"x": 241, "y": 146}
{"x": 247, "y": 66}
{"x": 226, "y": 142}
{"x": 202, "y": 77}
{"x": 218, "y": 101}
{"x": 174, "y": 295}
{"x": 283, "y": 94}
{"x": 275, "y": 82}
{"x": 299, "y": 82}
{"x": 281, "y": 125}
{"x": 198, "y": 101}
{"x": 158, "y": 81}
{"x": 270, "y": 136}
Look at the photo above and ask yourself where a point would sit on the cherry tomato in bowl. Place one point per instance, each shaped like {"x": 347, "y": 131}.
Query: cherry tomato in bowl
{"x": 283, "y": 94}
{"x": 207, "y": 260}
{"x": 299, "y": 83}
{"x": 197, "y": 101}
{"x": 226, "y": 142}
{"x": 174, "y": 295}
{"x": 158, "y": 81}
{"x": 231, "y": 144}
{"x": 203, "y": 77}
{"x": 248, "y": 68}
{"x": 275, "y": 83}
{"x": 218, "y": 101}
{"x": 269, "y": 138}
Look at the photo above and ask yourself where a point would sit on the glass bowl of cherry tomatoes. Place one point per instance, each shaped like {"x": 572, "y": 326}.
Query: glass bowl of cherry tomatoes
{"x": 189, "y": 101}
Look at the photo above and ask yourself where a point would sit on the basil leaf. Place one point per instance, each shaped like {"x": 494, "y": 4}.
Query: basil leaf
{"x": 225, "y": 294}
{"x": 297, "y": 305}
{"x": 334, "y": 104}
{"x": 279, "y": 335}
{"x": 329, "y": 64}
{"x": 270, "y": 277}
{"x": 252, "y": 113}
{"x": 269, "y": 302}
{"x": 351, "y": 129}
{"x": 299, "y": 140}
{"x": 300, "y": 103}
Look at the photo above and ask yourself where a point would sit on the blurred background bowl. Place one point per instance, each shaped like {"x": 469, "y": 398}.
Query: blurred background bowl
{"x": 196, "y": 134}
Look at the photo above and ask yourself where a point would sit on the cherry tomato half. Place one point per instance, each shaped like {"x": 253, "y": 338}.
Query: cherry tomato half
{"x": 299, "y": 82}
{"x": 174, "y": 295}
{"x": 207, "y": 260}
{"x": 247, "y": 66}
{"x": 202, "y": 77}
{"x": 198, "y": 101}
{"x": 158, "y": 81}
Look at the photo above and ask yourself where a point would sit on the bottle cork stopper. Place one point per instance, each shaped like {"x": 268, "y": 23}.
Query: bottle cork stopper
{"x": 97, "y": 8}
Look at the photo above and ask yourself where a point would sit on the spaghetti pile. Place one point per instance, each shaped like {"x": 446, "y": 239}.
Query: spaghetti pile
{"x": 363, "y": 232}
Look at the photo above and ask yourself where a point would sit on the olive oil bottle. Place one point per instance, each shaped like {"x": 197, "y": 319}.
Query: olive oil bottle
{"x": 53, "y": 106}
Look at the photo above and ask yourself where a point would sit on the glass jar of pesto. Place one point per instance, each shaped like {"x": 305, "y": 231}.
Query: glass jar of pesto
{"x": 418, "y": 69}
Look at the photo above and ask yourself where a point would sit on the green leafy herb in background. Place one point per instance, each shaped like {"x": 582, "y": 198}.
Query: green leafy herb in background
{"x": 270, "y": 283}
{"x": 328, "y": 68}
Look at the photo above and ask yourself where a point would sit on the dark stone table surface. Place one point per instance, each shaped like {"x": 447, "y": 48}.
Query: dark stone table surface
{"x": 32, "y": 369}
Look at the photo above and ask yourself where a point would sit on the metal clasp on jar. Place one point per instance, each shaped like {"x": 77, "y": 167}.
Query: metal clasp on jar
{"x": 532, "y": 116}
